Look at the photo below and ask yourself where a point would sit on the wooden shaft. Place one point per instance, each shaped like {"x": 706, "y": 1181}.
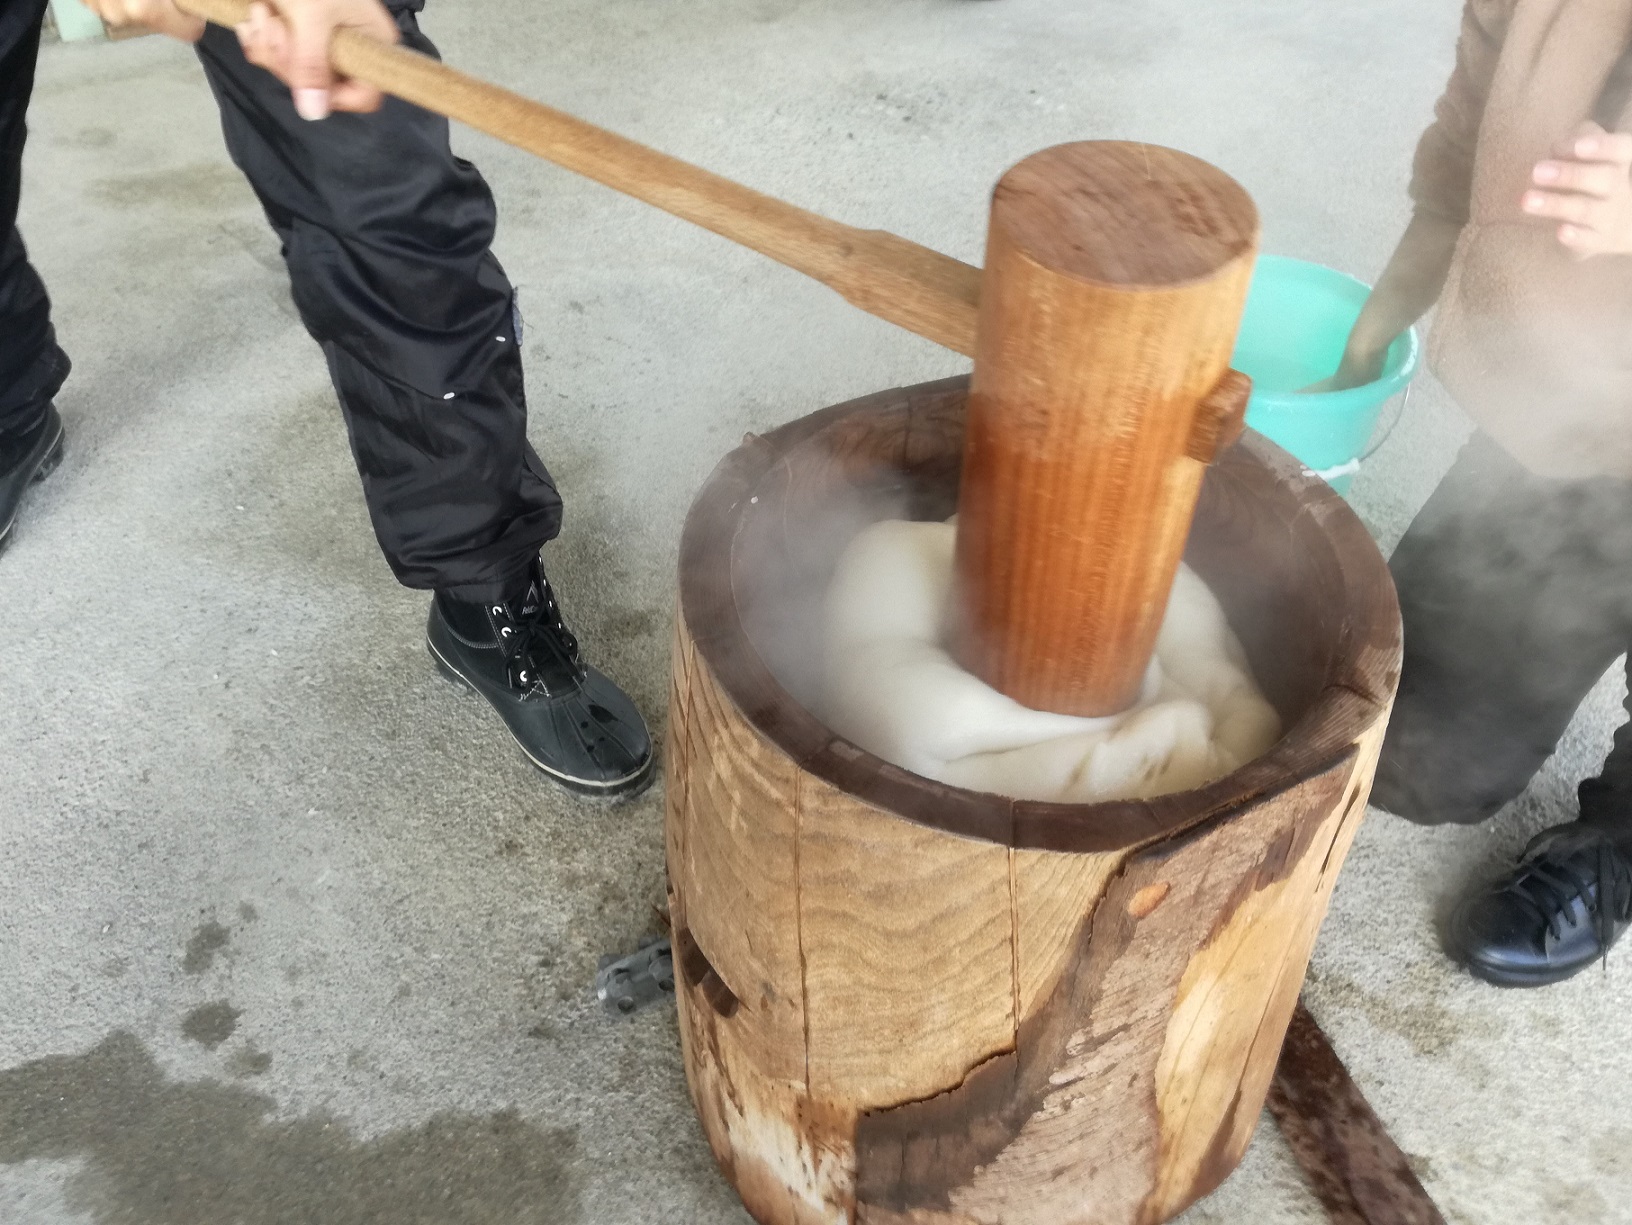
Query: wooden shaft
{"x": 923, "y": 291}
{"x": 1115, "y": 278}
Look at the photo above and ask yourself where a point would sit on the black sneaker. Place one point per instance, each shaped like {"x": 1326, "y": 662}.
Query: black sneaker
{"x": 1568, "y": 901}
{"x": 572, "y": 722}
{"x": 25, "y": 459}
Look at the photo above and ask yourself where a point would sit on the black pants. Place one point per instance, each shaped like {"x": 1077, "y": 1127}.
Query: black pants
{"x": 387, "y": 239}
{"x": 1517, "y": 596}
{"x": 32, "y": 366}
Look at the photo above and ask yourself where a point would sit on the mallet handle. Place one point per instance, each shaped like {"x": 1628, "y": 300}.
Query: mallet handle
{"x": 906, "y": 284}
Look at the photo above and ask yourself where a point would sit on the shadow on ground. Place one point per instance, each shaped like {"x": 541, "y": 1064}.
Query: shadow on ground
{"x": 163, "y": 1152}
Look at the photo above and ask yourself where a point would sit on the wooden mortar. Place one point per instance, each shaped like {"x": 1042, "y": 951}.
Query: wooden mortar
{"x": 905, "y": 1002}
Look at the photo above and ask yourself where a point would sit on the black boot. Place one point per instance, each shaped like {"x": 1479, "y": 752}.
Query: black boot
{"x": 24, "y": 459}
{"x": 572, "y": 722}
{"x": 1567, "y": 902}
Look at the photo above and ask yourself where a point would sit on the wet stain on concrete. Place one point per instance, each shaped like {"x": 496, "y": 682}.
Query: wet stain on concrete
{"x": 627, "y": 624}
{"x": 247, "y": 1061}
{"x": 309, "y": 505}
{"x": 1422, "y": 1167}
{"x": 1611, "y": 1153}
{"x": 1572, "y": 1201}
{"x": 1418, "y": 1015}
{"x": 159, "y": 1152}
{"x": 247, "y": 912}
{"x": 211, "y": 1024}
{"x": 208, "y": 940}
{"x": 90, "y": 138}
{"x": 207, "y": 185}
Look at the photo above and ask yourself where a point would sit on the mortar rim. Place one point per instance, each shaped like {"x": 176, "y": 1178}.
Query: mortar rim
{"x": 1358, "y": 686}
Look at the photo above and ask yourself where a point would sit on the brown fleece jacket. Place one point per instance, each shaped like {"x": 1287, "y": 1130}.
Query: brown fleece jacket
{"x": 1534, "y": 344}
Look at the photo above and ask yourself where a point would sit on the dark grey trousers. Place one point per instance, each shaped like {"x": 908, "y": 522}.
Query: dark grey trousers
{"x": 1516, "y": 593}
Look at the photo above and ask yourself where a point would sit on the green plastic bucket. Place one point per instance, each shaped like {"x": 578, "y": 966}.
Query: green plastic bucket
{"x": 1293, "y": 333}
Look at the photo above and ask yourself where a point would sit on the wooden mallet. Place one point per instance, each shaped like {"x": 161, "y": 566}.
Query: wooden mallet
{"x": 1101, "y": 329}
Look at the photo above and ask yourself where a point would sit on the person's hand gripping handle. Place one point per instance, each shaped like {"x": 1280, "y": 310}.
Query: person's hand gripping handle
{"x": 289, "y": 38}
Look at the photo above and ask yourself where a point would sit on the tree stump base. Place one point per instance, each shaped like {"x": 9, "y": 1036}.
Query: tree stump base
{"x": 902, "y": 1002}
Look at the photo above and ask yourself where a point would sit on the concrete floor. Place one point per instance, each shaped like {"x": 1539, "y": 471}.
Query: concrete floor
{"x": 288, "y": 931}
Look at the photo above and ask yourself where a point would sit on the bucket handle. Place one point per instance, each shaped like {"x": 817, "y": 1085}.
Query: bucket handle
{"x": 1353, "y": 465}
{"x": 1388, "y": 430}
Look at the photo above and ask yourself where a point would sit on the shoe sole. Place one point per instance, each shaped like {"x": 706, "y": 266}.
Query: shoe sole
{"x": 1503, "y": 978}
{"x": 48, "y": 465}
{"x": 621, "y": 789}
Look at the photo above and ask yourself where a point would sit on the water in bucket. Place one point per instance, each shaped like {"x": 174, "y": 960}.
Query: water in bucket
{"x": 1293, "y": 333}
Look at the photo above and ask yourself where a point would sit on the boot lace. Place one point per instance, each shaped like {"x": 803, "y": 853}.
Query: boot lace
{"x": 1559, "y": 866}
{"x": 540, "y": 652}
